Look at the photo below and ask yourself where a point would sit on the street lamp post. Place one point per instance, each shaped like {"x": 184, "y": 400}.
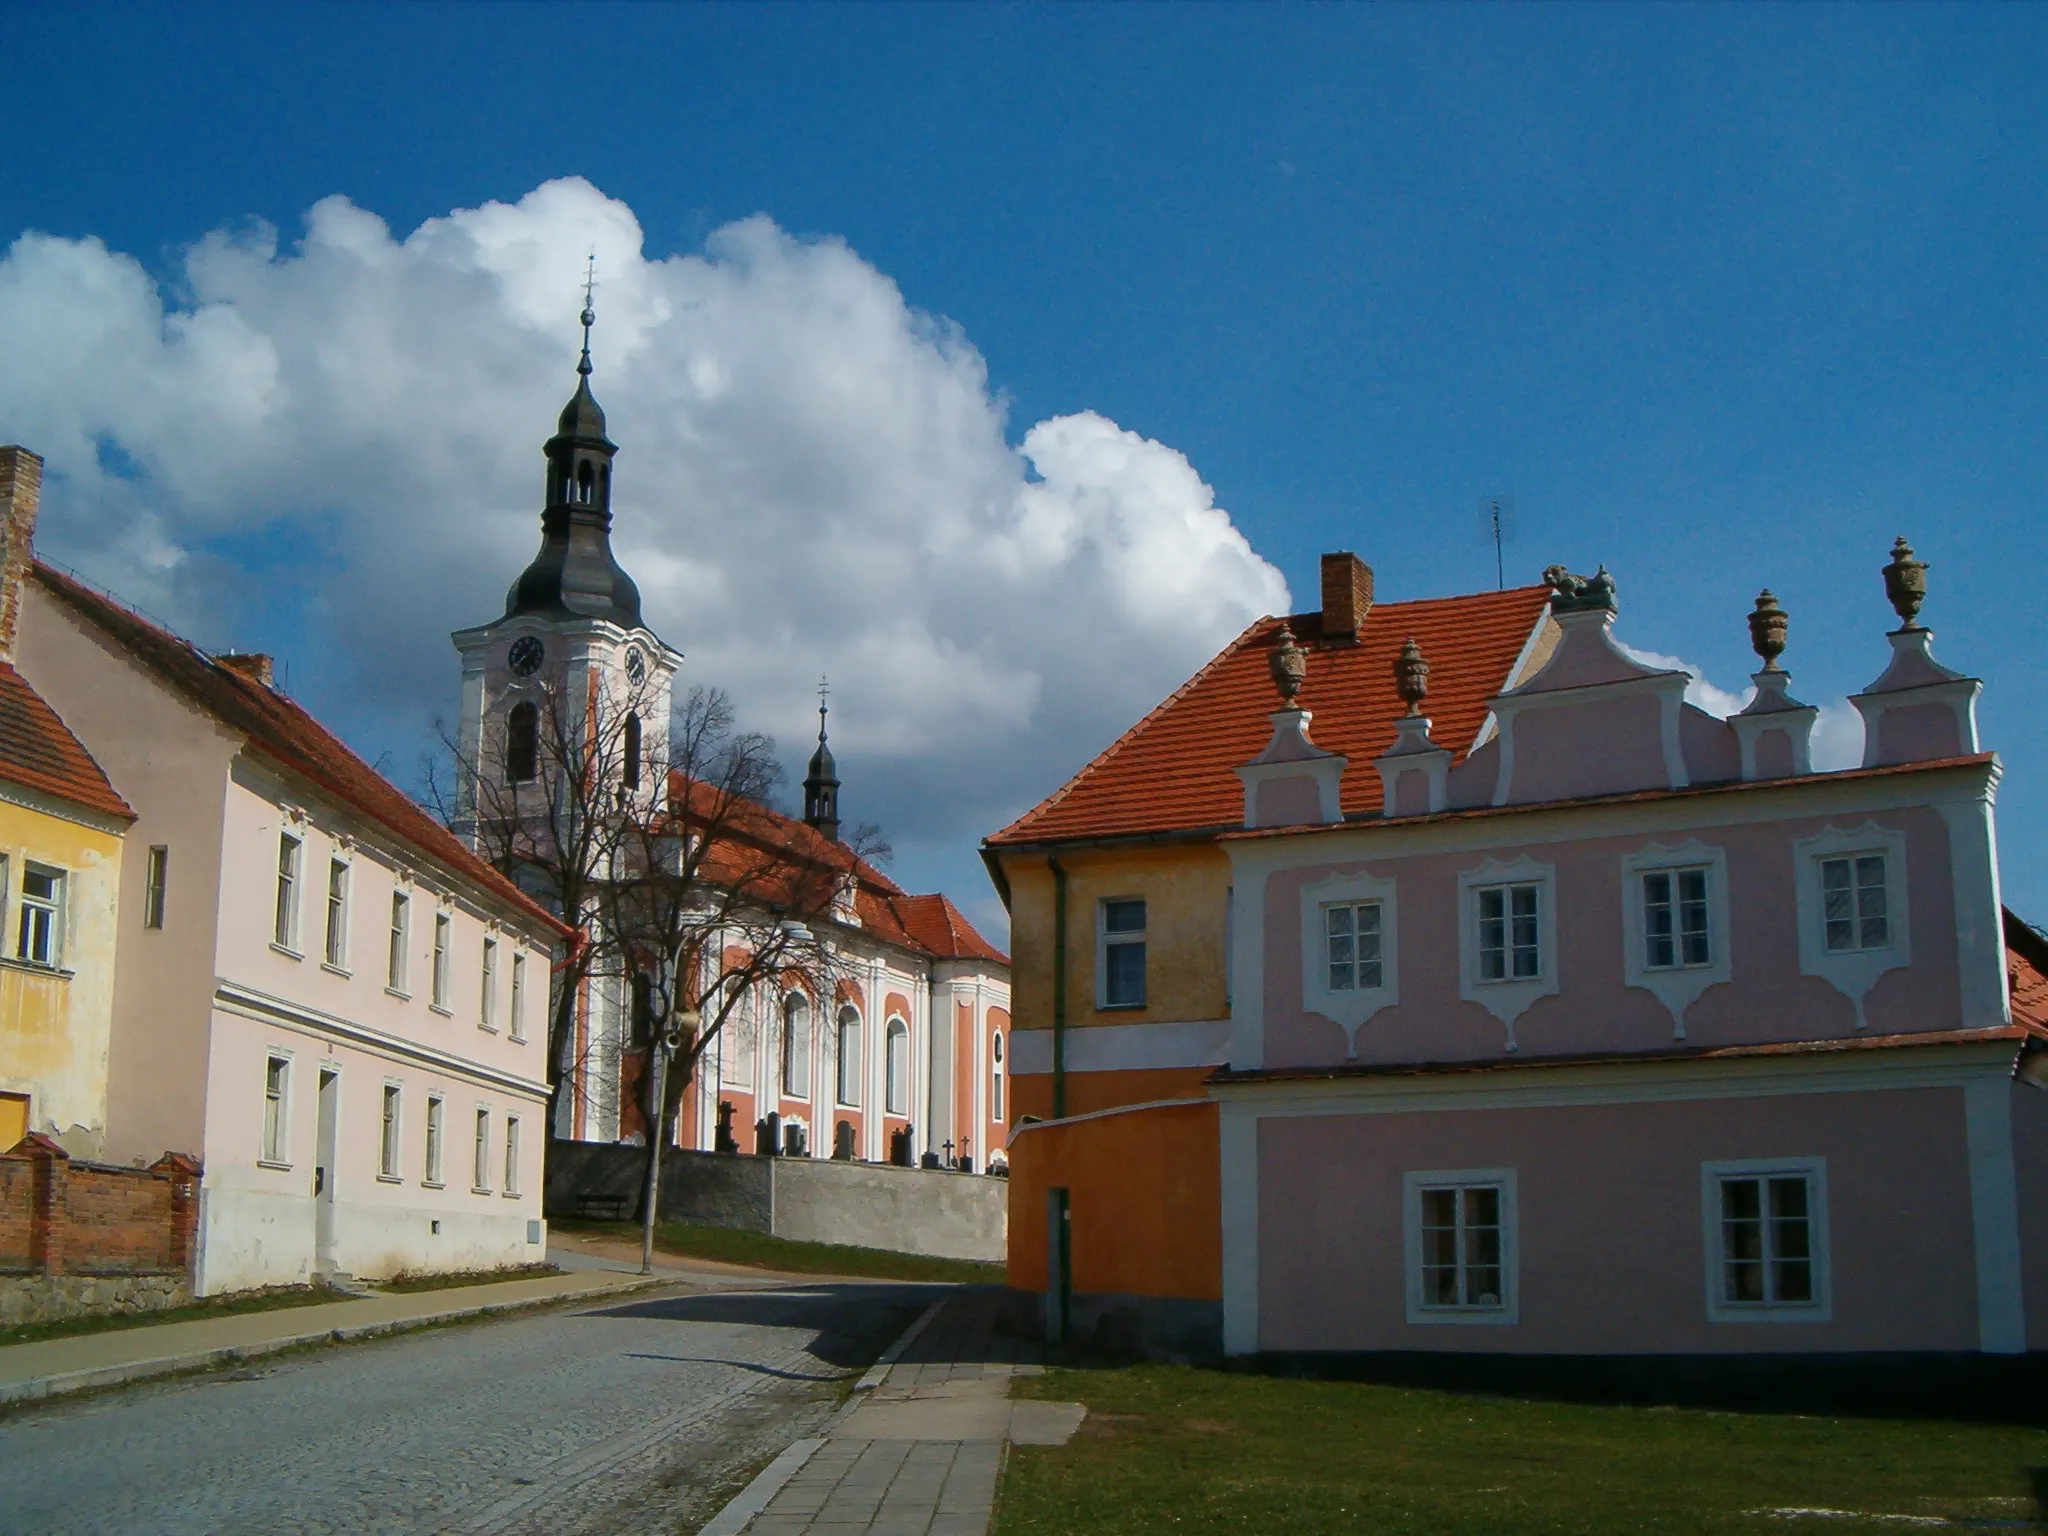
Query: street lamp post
{"x": 671, "y": 1030}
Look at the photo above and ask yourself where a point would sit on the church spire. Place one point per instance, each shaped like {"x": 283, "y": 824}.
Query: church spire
{"x": 821, "y": 783}
{"x": 575, "y": 574}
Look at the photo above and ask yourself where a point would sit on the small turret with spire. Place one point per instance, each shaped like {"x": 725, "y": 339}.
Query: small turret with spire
{"x": 821, "y": 782}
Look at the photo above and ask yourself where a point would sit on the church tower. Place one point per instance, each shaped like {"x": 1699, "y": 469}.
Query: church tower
{"x": 821, "y": 782}
{"x": 570, "y": 659}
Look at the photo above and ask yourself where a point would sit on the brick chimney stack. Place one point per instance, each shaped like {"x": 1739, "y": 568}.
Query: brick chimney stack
{"x": 21, "y": 491}
{"x": 253, "y": 665}
{"x": 1347, "y": 596}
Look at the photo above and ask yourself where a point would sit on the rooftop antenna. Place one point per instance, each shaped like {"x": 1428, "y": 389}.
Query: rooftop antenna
{"x": 1497, "y": 522}
{"x": 589, "y": 314}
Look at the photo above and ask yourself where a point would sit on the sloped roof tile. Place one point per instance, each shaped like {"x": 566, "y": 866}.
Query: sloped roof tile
{"x": 38, "y": 751}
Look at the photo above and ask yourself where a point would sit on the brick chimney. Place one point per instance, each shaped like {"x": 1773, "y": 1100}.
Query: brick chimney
{"x": 21, "y": 491}
{"x": 253, "y": 665}
{"x": 1347, "y": 596}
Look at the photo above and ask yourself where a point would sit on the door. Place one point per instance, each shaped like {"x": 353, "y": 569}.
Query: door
{"x": 13, "y": 1119}
{"x": 324, "y": 1171}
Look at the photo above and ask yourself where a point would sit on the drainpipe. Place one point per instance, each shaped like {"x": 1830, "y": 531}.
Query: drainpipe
{"x": 1059, "y": 988}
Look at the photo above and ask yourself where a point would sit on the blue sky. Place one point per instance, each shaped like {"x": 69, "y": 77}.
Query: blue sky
{"x": 1726, "y": 297}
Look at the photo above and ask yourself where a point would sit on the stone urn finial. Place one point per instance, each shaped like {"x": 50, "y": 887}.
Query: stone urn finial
{"x": 1411, "y": 676}
{"x": 1767, "y": 624}
{"x": 1905, "y": 583}
{"x": 1289, "y": 665}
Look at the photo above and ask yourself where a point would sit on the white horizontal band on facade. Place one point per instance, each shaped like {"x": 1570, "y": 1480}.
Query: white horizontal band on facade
{"x": 1125, "y": 1047}
{"x": 232, "y": 997}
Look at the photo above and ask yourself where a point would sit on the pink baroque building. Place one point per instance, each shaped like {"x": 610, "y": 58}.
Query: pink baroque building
{"x": 1613, "y": 1028}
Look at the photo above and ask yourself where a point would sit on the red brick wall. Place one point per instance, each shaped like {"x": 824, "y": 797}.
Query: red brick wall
{"x": 61, "y": 1217}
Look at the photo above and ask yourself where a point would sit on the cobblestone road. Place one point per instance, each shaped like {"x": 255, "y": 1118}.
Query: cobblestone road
{"x": 629, "y": 1416}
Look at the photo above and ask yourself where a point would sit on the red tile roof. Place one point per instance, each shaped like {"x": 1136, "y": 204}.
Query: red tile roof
{"x": 793, "y": 851}
{"x": 2026, "y": 966}
{"x": 285, "y": 733}
{"x": 38, "y": 751}
{"x": 1173, "y": 770}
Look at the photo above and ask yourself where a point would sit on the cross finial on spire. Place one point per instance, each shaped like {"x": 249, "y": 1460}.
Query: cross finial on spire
{"x": 589, "y": 313}
{"x": 824, "y": 690}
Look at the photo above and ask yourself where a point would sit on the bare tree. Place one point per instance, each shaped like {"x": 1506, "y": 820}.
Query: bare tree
{"x": 688, "y": 893}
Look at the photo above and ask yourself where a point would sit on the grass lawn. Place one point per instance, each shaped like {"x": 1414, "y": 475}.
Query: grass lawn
{"x": 213, "y": 1306}
{"x": 406, "y": 1284}
{"x": 725, "y": 1245}
{"x": 1172, "y": 1448}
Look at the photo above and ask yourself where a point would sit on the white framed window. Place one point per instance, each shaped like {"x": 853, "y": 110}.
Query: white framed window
{"x": 896, "y": 1068}
{"x": 1507, "y": 937}
{"x": 1351, "y": 946}
{"x": 277, "y": 1084}
{"x": 995, "y": 1076}
{"x": 401, "y": 941}
{"x": 389, "y": 1132}
{"x": 39, "y": 926}
{"x": 1349, "y": 951}
{"x": 1853, "y": 912}
{"x": 155, "y": 880}
{"x": 1120, "y": 952}
{"x": 512, "y": 1155}
{"x": 1510, "y": 919}
{"x": 1766, "y": 1239}
{"x": 796, "y": 1046}
{"x": 519, "y": 994}
{"x": 487, "y": 1002}
{"x": 1460, "y": 1233}
{"x": 337, "y": 913}
{"x": 284, "y": 925}
{"x": 444, "y": 927}
{"x": 849, "y": 1056}
{"x": 436, "y": 1112}
{"x": 1674, "y": 923}
{"x": 480, "y": 1169}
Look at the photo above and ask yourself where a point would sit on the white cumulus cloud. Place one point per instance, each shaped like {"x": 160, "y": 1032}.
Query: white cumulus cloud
{"x": 815, "y": 476}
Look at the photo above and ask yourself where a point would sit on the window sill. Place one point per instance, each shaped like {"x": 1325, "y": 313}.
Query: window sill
{"x": 478, "y": 1189}
{"x": 275, "y": 1167}
{"x": 337, "y": 970}
{"x": 1512, "y": 981}
{"x": 511, "y": 1194}
{"x": 1119, "y": 1007}
{"x": 389, "y": 1178}
{"x": 287, "y": 951}
{"x": 445, "y": 1012}
{"x": 432, "y": 1184}
{"x": 489, "y": 1029}
{"x": 1736, "y": 1312}
{"x": 398, "y": 992}
{"x": 516, "y": 1038}
{"x": 34, "y": 967}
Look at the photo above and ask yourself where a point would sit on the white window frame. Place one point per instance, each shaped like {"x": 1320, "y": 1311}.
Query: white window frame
{"x": 480, "y": 1154}
{"x": 1124, "y": 938}
{"x": 847, "y": 1088}
{"x": 487, "y": 991}
{"x": 274, "y": 1144}
{"x": 1676, "y": 987}
{"x": 1852, "y": 972}
{"x": 1350, "y": 1009}
{"x": 443, "y": 959}
{"x": 437, "y": 1132}
{"x": 511, "y": 1190}
{"x": 1509, "y": 1311}
{"x": 50, "y": 908}
{"x": 1509, "y": 998}
{"x": 518, "y": 1020}
{"x": 156, "y": 877}
{"x": 335, "y": 936}
{"x": 996, "y": 1084}
{"x": 1815, "y": 1171}
{"x": 896, "y": 1066}
{"x": 399, "y": 960}
{"x": 291, "y": 873}
{"x": 391, "y": 1132}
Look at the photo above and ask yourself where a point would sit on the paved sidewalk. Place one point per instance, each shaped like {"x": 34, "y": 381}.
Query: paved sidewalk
{"x": 920, "y": 1453}
{"x": 58, "y": 1366}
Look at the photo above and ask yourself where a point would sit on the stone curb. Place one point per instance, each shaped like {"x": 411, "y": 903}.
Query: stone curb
{"x": 65, "y": 1383}
{"x": 755, "y": 1497}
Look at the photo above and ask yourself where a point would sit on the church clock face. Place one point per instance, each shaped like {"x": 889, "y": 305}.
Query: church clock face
{"x": 526, "y": 655}
{"x": 636, "y": 667}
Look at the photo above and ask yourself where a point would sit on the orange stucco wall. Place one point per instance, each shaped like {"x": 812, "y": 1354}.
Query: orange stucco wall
{"x": 1143, "y": 1199}
{"x": 1088, "y": 1092}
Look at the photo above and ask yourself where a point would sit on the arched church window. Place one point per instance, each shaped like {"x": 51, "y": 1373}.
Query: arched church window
{"x": 898, "y": 1068}
{"x": 796, "y": 1046}
{"x": 522, "y": 743}
{"x": 995, "y": 1086}
{"x": 849, "y": 1056}
{"x": 631, "y": 770}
